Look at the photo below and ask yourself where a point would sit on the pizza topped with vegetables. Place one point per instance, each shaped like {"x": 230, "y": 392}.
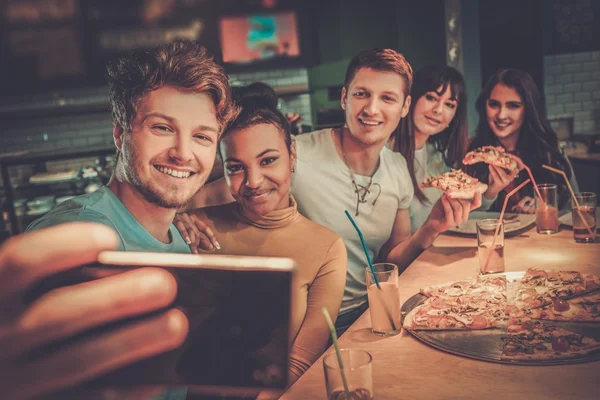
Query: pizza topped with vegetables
{"x": 559, "y": 295}
{"x": 456, "y": 184}
{"x": 479, "y": 304}
{"x": 541, "y": 295}
{"x": 534, "y": 340}
{"x": 494, "y": 155}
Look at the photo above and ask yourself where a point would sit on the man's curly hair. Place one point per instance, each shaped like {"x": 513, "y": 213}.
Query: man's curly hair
{"x": 182, "y": 64}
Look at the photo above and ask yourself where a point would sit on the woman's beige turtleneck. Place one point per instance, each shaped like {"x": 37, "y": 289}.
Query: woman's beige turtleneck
{"x": 321, "y": 258}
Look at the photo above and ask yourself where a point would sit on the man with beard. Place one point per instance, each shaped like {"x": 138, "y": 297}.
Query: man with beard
{"x": 169, "y": 106}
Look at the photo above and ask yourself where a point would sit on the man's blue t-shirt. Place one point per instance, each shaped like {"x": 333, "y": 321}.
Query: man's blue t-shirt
{"x": 104, "y": 207}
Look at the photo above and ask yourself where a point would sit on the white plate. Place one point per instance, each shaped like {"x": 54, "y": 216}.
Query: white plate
{"x": 521, "y": 222}
{"x": 567, "y": 219}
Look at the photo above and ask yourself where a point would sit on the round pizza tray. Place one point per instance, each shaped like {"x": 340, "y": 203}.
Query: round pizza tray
{"x": 486, "y": 344}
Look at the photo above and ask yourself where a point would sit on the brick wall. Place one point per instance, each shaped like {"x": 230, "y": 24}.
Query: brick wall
{"x": 572, "y": 88}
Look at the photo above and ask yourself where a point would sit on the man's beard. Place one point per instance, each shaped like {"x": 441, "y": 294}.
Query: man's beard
{"x": 149, "y": 193}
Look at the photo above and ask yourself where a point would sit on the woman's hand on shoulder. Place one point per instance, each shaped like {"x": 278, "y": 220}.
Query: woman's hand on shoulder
{"x": 448, "y": 213}
{"x": 196, "y": 232}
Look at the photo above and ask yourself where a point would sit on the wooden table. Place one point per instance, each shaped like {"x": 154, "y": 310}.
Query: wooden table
{"x": 404, "y": 368}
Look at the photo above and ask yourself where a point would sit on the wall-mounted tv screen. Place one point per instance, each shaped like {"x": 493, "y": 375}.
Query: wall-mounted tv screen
{"x": 260, "y": 37}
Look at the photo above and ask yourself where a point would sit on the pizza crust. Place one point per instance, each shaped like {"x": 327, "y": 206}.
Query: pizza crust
{"x": 546, "y": 355}
{"x": 467, "y": 194}
{"x": 538, "y": 339}
{"x": 409, "y": 319}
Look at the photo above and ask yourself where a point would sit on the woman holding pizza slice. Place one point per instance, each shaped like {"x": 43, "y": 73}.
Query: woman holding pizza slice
{"x": 433, "y": 136}
{"x": 512, "y": 115}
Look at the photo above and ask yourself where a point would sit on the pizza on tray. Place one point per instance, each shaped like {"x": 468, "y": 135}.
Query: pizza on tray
{"x": 542, "y": 295}
{"x": 494, "y": 155}
{"x": 456, "y": 184}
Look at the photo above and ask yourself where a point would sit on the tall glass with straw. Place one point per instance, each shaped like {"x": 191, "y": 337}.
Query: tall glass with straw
{"x": 382, "y": 292}
{"x": 583, "y": 207}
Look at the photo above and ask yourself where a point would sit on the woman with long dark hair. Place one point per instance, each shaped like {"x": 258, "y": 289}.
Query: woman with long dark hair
{"x": 512, "y": 115}
{"x": 433, "y": 136}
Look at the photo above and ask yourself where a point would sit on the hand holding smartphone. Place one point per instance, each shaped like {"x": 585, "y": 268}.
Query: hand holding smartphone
{"x": 238, "y": 310}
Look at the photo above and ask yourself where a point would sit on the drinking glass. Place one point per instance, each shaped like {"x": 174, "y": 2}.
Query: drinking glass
{"x": 384, "y": 301}
{"x": 546, "y": 211}
{"x": 357, "y": 370}
{"x": 486, "y": 228}
{"x": 584, "y": 217}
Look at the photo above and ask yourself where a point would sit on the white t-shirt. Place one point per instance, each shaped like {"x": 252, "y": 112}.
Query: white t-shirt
{"x": 428, "y": 162}
{"x": 322, "y": 187}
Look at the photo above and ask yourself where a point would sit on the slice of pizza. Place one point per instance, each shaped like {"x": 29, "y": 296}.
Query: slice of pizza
{"x": 438, "y": 313}
{"x": 534, "y": 340}
{"x": 528, "y": 296}
{"x": 541, "y": 287}
{"x": 456, "y": 184}
{"x": 494, "y": 155}
{"x": 583, "y": 308}
{"x": 462, "y": 305}
{"x": 487, "y": 284}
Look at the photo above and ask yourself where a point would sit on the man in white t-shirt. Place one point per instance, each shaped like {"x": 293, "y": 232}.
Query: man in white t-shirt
{"x": 323, "y": 189}
{"x": 351, "y": 168}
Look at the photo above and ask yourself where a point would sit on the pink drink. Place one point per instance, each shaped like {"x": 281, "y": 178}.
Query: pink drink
{"x": 580, "y": 231}
{"x": 546, "y": 219}
{"x": 496, "y": 261}
{"x": 356, "y": 394}
{"x": 384, "y": 306}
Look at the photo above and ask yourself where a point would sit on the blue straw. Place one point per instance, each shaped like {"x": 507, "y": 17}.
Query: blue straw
{"x": 364, "y": 245}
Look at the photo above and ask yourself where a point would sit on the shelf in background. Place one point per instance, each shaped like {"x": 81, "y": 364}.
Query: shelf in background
{"x": 291, "y": 90}
{"x": 27, "y": 156}
{"x": 28, "y": 185}
{"x": 68, "y": 108}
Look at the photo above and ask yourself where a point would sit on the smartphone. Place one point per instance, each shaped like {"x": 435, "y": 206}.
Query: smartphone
{"x": 239, "y": 316}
